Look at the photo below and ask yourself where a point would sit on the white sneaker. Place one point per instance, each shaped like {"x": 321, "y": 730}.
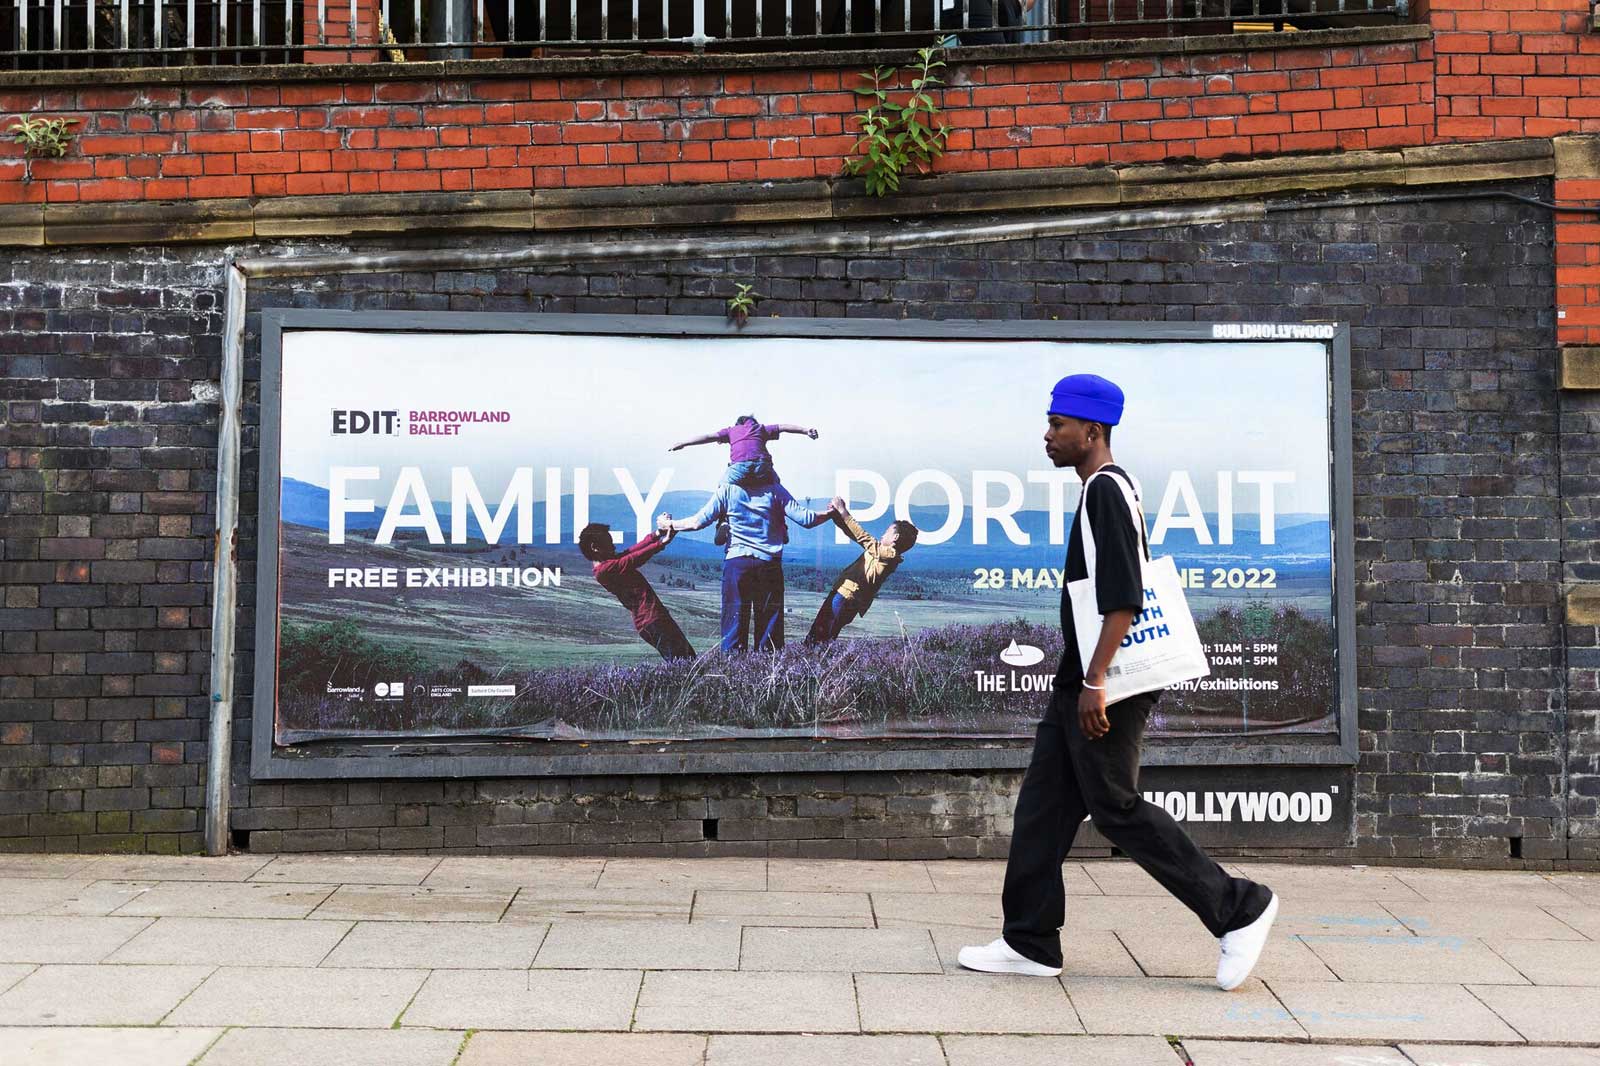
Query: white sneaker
{"x": 998, "y": 957}
{"x": 1242, "y": 947}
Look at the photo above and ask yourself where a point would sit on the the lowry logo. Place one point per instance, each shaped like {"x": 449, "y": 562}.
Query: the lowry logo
{"x": 1021, "y": 655}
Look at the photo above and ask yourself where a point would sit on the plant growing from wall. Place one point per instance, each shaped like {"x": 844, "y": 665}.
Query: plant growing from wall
{"x": 41, "y": 138}
{"x": 897, "y": 136}
{"x": 741, "y": 303}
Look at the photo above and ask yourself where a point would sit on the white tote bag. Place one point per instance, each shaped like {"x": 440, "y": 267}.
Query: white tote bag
{"x": 1162, "y": 647}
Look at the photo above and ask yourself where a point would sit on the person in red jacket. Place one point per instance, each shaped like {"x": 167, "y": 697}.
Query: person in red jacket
{"x": 620, "y": 576}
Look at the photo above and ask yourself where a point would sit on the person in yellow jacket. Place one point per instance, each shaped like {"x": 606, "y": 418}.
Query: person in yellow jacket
{"x": 857, "y": 584}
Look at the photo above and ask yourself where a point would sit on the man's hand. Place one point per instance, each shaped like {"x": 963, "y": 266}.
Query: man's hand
{"x": 664, "y": 523}
{"x": 838, "y": 506}
{"x": 1092, "y": 713}
{"x": 1092, "y": 703}
{"x": 676, "y": 448}
{"x": 812, "y": 434}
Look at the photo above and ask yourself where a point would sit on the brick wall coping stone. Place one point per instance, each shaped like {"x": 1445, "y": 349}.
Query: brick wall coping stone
{"x": 534, "y": 210}
{"x": 1578, "y": 157}
{"x": 1580, "y": 368}
{"x": 705, "y": 63}
{"x": 1583, "y": 606}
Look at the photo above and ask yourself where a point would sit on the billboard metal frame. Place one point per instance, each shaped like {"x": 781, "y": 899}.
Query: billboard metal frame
{"x": 510, "y": 757}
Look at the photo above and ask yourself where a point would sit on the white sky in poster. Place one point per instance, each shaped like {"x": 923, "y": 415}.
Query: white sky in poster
{"x": 892, "y": 406}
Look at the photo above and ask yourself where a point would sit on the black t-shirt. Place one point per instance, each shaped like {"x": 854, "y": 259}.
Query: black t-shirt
{"x": 1118, "y": 584}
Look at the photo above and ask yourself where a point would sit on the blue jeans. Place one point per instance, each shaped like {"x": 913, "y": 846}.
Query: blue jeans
{"x": 751, "y": 473}
{"x": 835, "y": 613}
{"x": 758, "y": 583}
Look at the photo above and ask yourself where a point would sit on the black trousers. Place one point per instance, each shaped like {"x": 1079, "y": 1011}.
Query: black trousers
{"x": 1071, "y": 777}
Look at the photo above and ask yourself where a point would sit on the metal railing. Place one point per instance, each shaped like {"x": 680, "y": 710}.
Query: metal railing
{"x": 37, "y": 34}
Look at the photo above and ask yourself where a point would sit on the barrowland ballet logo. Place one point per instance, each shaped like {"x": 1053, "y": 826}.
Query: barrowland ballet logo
{"x": 349, "y": 422}
{"x": 1246, "y": 806}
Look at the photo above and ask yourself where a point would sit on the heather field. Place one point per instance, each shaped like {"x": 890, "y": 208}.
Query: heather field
{"x": 913, "y": 684}
{"x": 918, "y": 683}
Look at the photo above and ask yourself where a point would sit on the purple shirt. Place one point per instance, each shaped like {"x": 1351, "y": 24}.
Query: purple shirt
{"x": 747, "y": 441}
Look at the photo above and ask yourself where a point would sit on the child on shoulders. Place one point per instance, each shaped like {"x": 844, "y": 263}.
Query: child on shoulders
{"x": 749, "y": 462}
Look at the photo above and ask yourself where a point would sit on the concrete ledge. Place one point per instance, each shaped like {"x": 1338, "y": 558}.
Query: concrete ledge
{"x": 22, "y": 226}
{"x": 1580, "y": 368}
{"x": 345, "y": 216}
{"x": 556, "y": 210}
{"x": 1583, "y": 606}
{"x": 689, "y": 64}
{"x": 1451, "y": 163}
{"x": 148, "y": 223}
{"x": 1578, "y": 157}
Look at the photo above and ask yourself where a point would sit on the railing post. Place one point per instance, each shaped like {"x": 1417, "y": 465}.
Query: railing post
{"x": 322, "y": 31}
{"x": 225, "y": 567}
{"x": 443, "y": 18}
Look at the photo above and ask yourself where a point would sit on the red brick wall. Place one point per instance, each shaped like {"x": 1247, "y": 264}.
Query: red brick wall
{"x": 1514, "y": 68}
{"x": 203, "y": 142}
{"x": 340, "y": 29}
{"x": 1494, "y": 69}
{"x": 1529, "y": 68}
{"x": 1578, "y": 264}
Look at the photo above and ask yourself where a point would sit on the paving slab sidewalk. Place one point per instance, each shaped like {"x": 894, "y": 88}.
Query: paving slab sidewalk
{"x": 427, "y": 960}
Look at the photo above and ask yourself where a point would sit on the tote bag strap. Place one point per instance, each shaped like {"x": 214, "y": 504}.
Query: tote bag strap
{"x": 1130, "y": 496}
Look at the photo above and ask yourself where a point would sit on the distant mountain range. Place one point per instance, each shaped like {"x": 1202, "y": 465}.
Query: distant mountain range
{"x": 1302, "y": 540}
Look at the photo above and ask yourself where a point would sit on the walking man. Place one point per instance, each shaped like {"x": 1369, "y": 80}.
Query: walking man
{"x": 1085, "y": 761}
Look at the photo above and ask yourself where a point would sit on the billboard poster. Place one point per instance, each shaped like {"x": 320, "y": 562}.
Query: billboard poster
{"x": 467, "y": 537}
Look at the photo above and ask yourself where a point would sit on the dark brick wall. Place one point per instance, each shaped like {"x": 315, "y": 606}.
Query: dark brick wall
{"x": 105, "y": 505}
{"x": 1466, "y": 685}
